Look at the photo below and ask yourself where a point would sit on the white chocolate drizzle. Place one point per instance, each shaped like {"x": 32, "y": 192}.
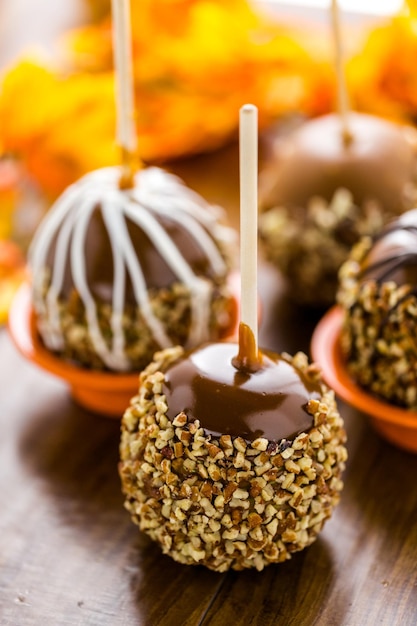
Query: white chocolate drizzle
{"x": 155, "y": 193}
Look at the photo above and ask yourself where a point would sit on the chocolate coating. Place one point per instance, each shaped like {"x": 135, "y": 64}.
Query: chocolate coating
{"x": 157, "y": 272}
{"x": 393, "y": 255}
{"x": 270, "y": 402}
{"x": 376, "y": 165}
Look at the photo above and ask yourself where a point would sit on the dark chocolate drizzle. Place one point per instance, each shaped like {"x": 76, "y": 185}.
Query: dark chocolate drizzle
{"x": 393, "y": 255}
{"x": 270, "y": 402}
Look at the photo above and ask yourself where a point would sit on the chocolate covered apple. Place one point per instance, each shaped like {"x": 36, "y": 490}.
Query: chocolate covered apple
{"x": 118, "y": 273}
{"x": 129, "y": 260}
{"x": 378, "y": 292}
{"x": 336, "y": 179}
{"x": 231, "y": 468}
{"x": 231, "y": 457}
{"x": 323, "y": 193}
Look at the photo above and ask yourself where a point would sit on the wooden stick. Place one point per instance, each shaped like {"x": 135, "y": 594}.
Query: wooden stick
{"x": 248, "y": 357}
{"x": 125, "y": 100}
{"x": 343, "y": 100}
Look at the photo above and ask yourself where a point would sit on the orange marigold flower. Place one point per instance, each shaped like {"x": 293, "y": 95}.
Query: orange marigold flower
{"x": 195, "y": 63}
{"x": 382, "y": 75}
{"x": 60, "y": 126}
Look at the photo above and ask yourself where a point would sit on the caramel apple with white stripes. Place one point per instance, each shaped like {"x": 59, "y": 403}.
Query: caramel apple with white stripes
{"x": 119, "y": 273}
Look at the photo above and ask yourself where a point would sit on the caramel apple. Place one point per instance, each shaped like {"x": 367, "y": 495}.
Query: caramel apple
{"x": 231, "y": 457}
{"x": 322, "y": 194}
{"x": 118, "y": 273}
{"x": 129, "y": 260}
{"x": 231, "y": 468}
{"x": 378, "y": 292}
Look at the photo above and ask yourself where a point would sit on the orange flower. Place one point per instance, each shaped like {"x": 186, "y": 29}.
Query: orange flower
{"x": 9, "y": 177}
{"x": 12, "y": 273}
{"x": 60, "y": 127}
{"x": 383, "y": 76}
{"x": 195, "y": 62}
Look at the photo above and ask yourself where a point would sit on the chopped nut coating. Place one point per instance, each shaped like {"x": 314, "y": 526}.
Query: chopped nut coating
{"x": 242, "y": 504}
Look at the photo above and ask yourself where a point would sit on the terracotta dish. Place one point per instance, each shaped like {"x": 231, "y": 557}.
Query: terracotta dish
{"x": 397, "y": 425}
{"x": 106, "y": 393}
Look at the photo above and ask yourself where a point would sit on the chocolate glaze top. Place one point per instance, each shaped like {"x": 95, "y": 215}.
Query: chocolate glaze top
{"x": 270, "y": 402}
{"x": 393, "y": 255}
{"x": 376, "y": 165}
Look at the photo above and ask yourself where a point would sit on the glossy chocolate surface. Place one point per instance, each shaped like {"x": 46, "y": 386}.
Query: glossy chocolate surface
{"x": 314, "y": 161}
{"x": 393, "y": 255}
{"x": 270, "y": 402}
{"x": 158, "y": 274}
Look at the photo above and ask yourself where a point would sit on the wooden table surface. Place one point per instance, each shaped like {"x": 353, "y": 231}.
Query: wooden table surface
{"x": 69, "y": 554}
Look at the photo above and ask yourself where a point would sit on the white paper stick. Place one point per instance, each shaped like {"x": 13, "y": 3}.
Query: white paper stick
{"x": 343, "y": 100}
{"x": 122, "y": 53}
{"x": 248, "y": 157}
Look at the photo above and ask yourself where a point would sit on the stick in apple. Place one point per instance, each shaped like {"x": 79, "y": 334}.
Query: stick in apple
{"x": 125, "y": 102}
{"x": 343, "y": 100}
{"x": 249, "y": 357}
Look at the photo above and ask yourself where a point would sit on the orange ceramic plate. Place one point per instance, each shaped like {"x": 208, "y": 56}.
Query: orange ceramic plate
{"x": 102, "y": 392}
{"x": 396, "y": 424}
{"x": 107, "y": 393}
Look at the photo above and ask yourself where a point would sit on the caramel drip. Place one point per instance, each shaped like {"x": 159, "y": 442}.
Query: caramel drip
{"x": 347, "y": 138}
{"x": 270, "y": 402}
{"x": 248, "y": 359}
{"x": 130, "y": 165}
